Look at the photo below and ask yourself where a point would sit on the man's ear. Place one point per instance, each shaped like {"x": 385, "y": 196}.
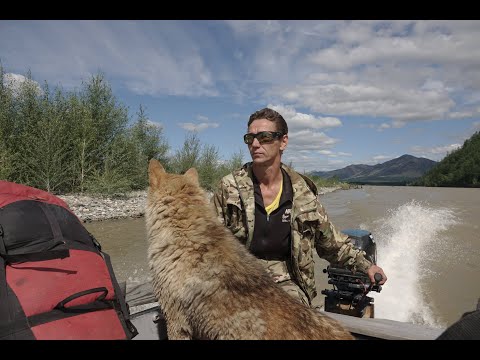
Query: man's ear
{"x": 284, "y": 142}
{"x": 192, "y": 174}
{"x": 155, "y": 172}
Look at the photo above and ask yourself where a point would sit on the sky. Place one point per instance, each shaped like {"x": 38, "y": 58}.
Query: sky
{"x": 352, "y": 92}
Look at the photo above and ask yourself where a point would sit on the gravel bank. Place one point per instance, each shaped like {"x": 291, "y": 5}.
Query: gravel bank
{"x": 89, "y": 208}
{"x": 132, "y": 205}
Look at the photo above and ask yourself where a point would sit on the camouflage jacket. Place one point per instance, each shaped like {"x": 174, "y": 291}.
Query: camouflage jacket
{"x": 235, "y": 206}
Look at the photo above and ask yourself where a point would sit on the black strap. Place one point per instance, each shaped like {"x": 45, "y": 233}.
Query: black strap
{"x": 3, "y": 249}
{"x": 95, "y": 241}
{"x": 121, "y": 298}
{"x": 56, "y": 231}
{"x": 62, "y": 313}
{"x": 103, "y": 290}
{"x": 17, "y": 330}
{"x": 37, "y": 256}
{"x": 59, "y": 312}
{"x": 22, "y": 326}
{"x": 5, "y": 311}
{"x": 19, "y": 325}
{"x": 13, "y": 320}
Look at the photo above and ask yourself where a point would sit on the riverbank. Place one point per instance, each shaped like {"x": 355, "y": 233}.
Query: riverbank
{"x": 132, "y": 205}
{"x": 90, "y": 208}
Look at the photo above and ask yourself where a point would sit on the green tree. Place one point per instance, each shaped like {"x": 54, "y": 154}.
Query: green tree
{"x": 208, "y": 166}
{"x": 188, "y": 156}
{"x": 149, "y": 143}
{"x": 5, "y": 163}
{"x": 27, "y": 107}
{"x": 226, "y": 167}
{"x": 115, "y": 176}
{"x": 236, "y": 161}
{"x": 46, "y": 153}
{"x": 101, "y": 118}
{"x": 6, "y": 126}
{"x": 83, "y": 144}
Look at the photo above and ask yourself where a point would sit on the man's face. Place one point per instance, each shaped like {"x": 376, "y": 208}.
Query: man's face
{"x": 267, "y": 152}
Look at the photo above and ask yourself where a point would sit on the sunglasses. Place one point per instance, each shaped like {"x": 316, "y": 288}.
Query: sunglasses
{"x": 262, "y": 137}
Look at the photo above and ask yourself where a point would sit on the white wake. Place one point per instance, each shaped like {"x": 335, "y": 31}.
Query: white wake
{"x": 405, "y": 237}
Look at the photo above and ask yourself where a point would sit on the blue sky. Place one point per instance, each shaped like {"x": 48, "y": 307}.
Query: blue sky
{"x": 352, "y": 92}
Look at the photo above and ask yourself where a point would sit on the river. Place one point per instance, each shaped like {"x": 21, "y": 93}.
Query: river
{"x": 428, "y": 244}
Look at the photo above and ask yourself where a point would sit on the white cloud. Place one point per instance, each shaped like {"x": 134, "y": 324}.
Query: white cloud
{"x": 382, "y": 158}
{"x": 310, "y": 140}
{"x": 15, "y": 81}
{"x": 312, "y": 160}
{"x": 397, "y": 124}
{"x": 297, "y": 121}
{"x": 367, "y": 100}
{"x": 384, "y": 126}
{"x": 147, "y": 57}
{"x": 202, "y": 118}
{"x": 333, "y": 154}
{"x": 435, "y": 153}
{"x": 461, "y": 115}
{"x": 155, "y": 124}
{"x": 336, "y": 162}
{"x": 198, "y": 127}
{"x": 404, "y": 70}
{"x": 434, "y": 85}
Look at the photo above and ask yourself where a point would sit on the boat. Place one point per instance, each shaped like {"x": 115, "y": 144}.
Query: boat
{"x": 346, "y": 302}
{"x": 143, "y": 309}
{"x": 146, "y": 316}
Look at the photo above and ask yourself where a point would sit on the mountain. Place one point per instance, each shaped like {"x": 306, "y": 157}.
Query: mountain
{"x": 399, "y": 171}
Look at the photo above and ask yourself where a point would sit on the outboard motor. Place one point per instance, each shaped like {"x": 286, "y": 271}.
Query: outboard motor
{"x": 363, "y": 240}
{"x": 349, "y": 293}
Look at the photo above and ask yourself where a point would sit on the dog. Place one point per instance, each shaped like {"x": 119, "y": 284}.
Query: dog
{"x": 206, "y": 282}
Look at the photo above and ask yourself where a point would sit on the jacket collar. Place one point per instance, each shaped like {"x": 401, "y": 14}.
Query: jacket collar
{"x": 303, "y": 189}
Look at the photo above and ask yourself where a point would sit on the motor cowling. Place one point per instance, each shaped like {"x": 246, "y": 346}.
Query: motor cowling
{"x": 363, "y": 240}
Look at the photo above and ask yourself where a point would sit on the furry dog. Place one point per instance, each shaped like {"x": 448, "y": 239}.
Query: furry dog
{"x": 207, "y": 283}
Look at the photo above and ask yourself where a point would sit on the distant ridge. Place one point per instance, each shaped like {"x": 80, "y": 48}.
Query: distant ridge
{"x": 398, "y": 171}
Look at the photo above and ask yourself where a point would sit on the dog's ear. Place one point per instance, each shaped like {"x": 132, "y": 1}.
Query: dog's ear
{"x": 155, "y": 172}
{"x": 192, "y": 174}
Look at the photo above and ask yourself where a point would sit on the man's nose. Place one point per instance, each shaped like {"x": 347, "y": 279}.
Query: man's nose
{"x": 256, "y": 143}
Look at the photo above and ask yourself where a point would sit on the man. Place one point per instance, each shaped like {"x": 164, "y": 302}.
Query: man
{"x": 275, "y": 212}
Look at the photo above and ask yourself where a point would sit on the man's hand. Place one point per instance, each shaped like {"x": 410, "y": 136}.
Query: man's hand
{"x": 372, "y": 270}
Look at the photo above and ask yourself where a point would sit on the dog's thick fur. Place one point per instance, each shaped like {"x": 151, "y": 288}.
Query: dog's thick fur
{"x": 207, "y": 284}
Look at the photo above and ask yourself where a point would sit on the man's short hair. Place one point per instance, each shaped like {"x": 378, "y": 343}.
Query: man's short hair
{"x": 270, "y": 115}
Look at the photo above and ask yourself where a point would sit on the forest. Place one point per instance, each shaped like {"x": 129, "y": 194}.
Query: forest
{"x": 85, "y": 141}
{"x": 460, "y": 168}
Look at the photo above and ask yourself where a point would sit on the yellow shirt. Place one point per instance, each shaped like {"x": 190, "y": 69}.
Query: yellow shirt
{"x": 275, "y": 203}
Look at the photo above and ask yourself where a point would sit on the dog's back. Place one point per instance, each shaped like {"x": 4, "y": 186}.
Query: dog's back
{"x": 207, "y": 283}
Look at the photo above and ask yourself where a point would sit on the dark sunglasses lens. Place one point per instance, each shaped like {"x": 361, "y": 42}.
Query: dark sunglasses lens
{"x": 264, "y": 137}
{"x": 248, "y": 138}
